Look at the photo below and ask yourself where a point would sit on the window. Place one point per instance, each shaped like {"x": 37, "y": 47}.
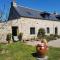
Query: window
{"x": 45, "y": 15}
{"x": 48, "y": 30}
{"x": 56, "y": 30}
{"x": 32, "y": 30}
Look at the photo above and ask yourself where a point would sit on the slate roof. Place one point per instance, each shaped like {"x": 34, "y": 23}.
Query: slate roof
{"x": 19, "y": 11}
{"x": 26, "y": 12}
{"x": 13, "y": 14}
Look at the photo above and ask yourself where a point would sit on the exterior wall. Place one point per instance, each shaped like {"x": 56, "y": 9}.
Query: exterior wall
{"x": 5, "y": 28}
{"x": 24, "y": 25}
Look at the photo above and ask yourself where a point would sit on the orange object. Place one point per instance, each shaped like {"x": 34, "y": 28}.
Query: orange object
{"x": 42, "y": 49}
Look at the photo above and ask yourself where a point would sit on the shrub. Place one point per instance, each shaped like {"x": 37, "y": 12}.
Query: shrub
{"x": 58, "y": 36}
{"x": 20, "y": 36}
{"x": 1, "y": 47}
{"x": 50, "y": 37}
{"x": 41, "y": 33}
{"x": 9, "y": 35}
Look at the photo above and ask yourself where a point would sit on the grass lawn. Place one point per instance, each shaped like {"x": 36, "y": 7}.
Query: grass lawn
{"x": 20, "y": 51}
{"x": 17, "y": 51}
{"x": 54, "y": 53}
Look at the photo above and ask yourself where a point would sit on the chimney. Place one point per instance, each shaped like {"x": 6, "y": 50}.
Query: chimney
{"x": 14, "y": 3}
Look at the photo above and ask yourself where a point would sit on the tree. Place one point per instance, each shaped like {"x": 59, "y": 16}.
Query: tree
{"x": 20, "y": 36}
{"x": 0, "y": 15}
{"x": 41, "y": 33}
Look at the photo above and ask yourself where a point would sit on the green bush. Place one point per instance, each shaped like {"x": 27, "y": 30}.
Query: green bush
{"x": 50, "y": 37}
{"x": 41, "y": 33}
{"x": 58, "y": 36}
{"x": 20, "y": 36}
{"x": 0, "y": 47}
{"x": 9, "y": 35}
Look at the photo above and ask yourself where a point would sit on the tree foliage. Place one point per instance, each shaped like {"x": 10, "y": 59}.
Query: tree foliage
{"x": 41, "y": 33}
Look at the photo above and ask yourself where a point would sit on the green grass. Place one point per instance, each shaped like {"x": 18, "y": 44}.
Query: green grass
{"x": 20, "y": 51}
{"x": 54, "y": 53}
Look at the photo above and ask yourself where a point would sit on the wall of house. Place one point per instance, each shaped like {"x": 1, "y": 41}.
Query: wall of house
{"x": 24, "y": 25}
{"x": 4, "y": 30}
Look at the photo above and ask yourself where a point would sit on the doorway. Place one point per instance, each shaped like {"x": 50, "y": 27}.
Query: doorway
{"x": 14, "y": 31}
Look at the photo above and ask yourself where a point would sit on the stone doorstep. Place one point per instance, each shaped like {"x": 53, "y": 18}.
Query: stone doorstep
{"x": 45, "y": 58}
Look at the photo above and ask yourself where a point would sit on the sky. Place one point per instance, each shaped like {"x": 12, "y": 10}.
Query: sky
{"x": 42, "y": 5}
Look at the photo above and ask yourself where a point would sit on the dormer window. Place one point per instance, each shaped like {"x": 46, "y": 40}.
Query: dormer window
{"x": 45, "y": 15}
{"x": 58, "y": 17}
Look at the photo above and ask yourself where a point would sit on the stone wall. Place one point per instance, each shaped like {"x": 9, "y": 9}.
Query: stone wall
{"x": 24, "y": 25}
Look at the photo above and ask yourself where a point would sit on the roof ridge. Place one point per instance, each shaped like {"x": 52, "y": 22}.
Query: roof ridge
{"x": 30, "y": 8}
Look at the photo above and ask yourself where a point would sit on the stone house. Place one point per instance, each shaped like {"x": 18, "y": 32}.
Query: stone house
{"x": 28, "y": 21}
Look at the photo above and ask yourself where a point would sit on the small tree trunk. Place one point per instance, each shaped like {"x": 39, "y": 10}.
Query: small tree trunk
{"x": 8, "y": 42}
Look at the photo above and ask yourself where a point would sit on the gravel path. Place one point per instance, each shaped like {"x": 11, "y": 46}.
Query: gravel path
{"x": 33, "y": 43}
{"x": 54, "y": 43}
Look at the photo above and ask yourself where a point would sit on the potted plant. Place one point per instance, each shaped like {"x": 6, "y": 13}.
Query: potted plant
{"x": 8, "y": 37}
{"x": 20, "y": 36}
{"x": 41, "y": 33}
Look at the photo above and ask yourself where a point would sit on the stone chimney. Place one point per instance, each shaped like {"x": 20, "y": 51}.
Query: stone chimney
{"x": 14, "y": 3}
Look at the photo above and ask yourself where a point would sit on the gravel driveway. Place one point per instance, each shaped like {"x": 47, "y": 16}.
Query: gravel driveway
{"x": 54, "y": 43}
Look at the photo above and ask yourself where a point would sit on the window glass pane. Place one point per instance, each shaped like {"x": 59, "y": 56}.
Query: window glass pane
{"x": 32, "y": 30}
{"x": 56, "y": 30}
{"x": 48, "y": 30}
